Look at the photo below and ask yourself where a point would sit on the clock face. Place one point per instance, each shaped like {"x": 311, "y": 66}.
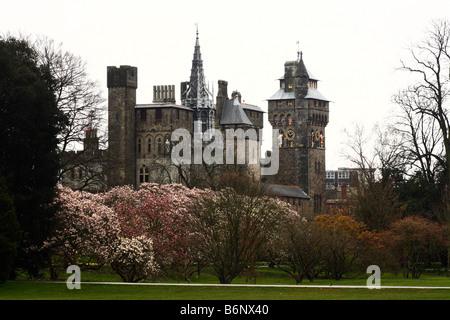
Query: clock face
{"x": 317, "y": 135}
{"x": 290, "y": 135}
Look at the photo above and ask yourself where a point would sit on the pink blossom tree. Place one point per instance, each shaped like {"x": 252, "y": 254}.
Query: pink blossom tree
{"x": 162, "y": 213}
{"x": 85, "y": 229}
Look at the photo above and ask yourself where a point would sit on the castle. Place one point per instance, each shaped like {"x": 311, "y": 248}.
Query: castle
{"x": 140, "y": 135}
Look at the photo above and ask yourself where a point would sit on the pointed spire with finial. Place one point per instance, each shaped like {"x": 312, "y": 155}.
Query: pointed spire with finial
{"x": 198, "y": 96}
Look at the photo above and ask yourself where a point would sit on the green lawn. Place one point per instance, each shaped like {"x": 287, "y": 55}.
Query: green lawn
{"x": 58, "y": 291}
{"x": 46, "y": 290}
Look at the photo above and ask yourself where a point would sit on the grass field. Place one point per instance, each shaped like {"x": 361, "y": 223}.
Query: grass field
{"x": 46, "y": 290}
{"x": 58, "y": 291}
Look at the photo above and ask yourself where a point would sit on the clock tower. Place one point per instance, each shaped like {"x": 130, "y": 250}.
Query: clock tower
{"x": 300, "y": 113}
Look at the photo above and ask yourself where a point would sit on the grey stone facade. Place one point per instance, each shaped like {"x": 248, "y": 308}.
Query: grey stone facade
{"x": 140, "y": 134}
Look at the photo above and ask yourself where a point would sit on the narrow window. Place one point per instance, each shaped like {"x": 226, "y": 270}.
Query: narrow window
{"x": 146, "y": 174}
{"x": 143, "y": 174}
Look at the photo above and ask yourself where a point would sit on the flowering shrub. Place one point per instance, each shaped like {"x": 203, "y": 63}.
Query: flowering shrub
{"x": 149, "y": 226}
{"x": 132, "y": 258}
{"x": 163, "y": 214}
{"x": 85, "y": 228}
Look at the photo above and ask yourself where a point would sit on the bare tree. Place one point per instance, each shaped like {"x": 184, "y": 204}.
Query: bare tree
{"x": 425, "y": 110}
{"x": 373, "y": 200}
{"x": 235, "y": 224}
{"x": 193, "y": 175}
{"x": 361, "y": 152}
{"x": 299, "y": 249}
{"x": 81, "y": 100}
{"x": 424, "y": 104}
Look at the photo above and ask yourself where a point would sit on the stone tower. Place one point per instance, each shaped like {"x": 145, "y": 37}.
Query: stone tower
{"x": 300, "y": 113}
{"x": 122, "y": 85}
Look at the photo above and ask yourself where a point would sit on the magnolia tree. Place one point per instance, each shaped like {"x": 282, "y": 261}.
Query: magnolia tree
{"x": 141, "y": 233}
{"x": 132, "y": 258}
{"x": 164, "y": 229}
{"x": 85, "y": 229}
{"x": 161, "y": 213}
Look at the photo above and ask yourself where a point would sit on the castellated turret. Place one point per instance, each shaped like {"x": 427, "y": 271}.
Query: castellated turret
{"x": 122, "y": 85}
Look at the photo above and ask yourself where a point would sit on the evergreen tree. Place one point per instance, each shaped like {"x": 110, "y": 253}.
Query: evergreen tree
{"x": 29, "y": 124}
{"x": 9, "y": 232}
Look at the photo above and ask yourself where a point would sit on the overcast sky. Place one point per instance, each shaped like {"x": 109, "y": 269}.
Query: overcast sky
{"x": 353, "y": 47}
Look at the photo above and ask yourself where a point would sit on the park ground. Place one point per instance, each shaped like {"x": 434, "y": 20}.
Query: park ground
{"x": 269, "y": 284}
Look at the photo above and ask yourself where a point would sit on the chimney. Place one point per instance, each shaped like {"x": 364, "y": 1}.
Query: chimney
{"x": 222, "y": 95}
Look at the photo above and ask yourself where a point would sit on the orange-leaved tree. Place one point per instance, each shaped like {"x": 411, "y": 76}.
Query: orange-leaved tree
{"x": 347, "y": 240}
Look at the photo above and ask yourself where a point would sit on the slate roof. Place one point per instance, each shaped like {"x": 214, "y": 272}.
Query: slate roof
{"x": 310, "y": 76}
{"x": 233, "y": 113}
{"x": 251, "y": 107}
{"x": 283, "y": 95}
{"x": 286, "y": 191}
{"x": 313, "y": 93}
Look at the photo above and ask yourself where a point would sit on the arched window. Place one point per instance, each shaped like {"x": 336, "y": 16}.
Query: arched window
{"x": 283, "y": 120}
{"x": 139, "y": 146}
{"x": 275, "y": 120}
{"x": 166, "y": 145}
{"x": 149, "y": 145}
{"x": 143, "y": 174}
{"x": 159, "y": 146}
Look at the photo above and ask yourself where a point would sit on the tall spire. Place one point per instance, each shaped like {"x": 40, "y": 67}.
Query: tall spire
{"x": 197, "y": 95}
